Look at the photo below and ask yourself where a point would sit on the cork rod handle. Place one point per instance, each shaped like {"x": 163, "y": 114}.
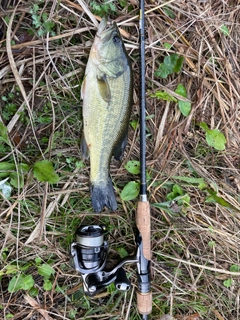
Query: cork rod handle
{"x": 143, "y": 221}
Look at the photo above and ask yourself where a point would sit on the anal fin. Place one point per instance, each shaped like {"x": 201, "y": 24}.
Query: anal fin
{"x": 84, "y": 148}
{"x": 120, "y": 148}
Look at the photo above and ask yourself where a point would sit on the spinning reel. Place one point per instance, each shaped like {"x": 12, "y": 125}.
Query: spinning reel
{"x": 89, "y": 256}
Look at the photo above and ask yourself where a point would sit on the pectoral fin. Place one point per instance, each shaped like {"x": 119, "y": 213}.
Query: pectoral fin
{"x": 104, "y": 88}
{"x": 83, "y": 88}
{"x": 113, "y": 69}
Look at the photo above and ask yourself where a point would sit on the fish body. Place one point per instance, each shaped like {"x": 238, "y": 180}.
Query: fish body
{"x": 107, "y": 100}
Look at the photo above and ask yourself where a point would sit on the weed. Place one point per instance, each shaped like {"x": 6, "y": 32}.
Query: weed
{"x": 184, "y": 106}
{"x": 41, "y": 21}
{"x": 101, "y": 9}
{"x": 214, "y": 138}
{"x": 224, "y": 29}
{"x": 172, "y": 63}
{"x": 177, "y": 200}
{"x": 44, "y": 171}
{"x": 10, "y": 106}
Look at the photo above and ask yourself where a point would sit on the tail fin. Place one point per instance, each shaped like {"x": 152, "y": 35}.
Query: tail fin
{"x": 103, "y": 195}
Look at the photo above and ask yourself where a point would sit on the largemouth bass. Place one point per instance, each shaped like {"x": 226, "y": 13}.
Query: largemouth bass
{"x": 107, "y": 100}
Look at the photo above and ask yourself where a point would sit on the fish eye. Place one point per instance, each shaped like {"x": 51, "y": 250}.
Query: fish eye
{"x": 116, "y": 39}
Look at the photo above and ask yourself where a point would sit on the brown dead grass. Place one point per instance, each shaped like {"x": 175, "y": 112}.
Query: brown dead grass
{"x": 193, "y": 247}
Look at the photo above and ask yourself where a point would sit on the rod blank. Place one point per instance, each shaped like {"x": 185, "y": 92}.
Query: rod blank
{"x": 143, "y": 218}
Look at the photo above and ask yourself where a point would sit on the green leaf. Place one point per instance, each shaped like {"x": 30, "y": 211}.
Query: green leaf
{"x": 38, "y": 260}
{"x": 122, "y": 252}
{"x": 20, "y": 282}
{"x": 211, "y": 244}
{"x": 183, "y": 200}
{"x": 163, "y": 95}
{"x": 6, "y": 168}
{"x": 9, "y": 170}
{"x": 189, "y": 179}
{"x": 170, "y": 196}
{"x": 49, "y": 25}
{"x": 209, "y": 199}
{"x": 41, "y": 32}
{"x": 204, "y": 126}
{"x": 224, "y": 29}
{"x": 123, "y": 3}
{"x": 33, "y": 292}
{"x": 133, "y": 167}
{"x": 25, "y": 266}
{"x": 134, "y": 124}
{"x": 217, "y": 199}
{"x": 177, "y": 190}
{"x": 202, "y": 185}
{"x": 4, "y": 134}
{"x": 46, "y": 270}
{"x": 47, "y": 285}
{"x": 11, "y": 269}
{"x": 34, "y": 9}
{"x": 167, "y": 45}
{"x": 36, "y": 21}
{"x": 165, "y": 206}
{"x": 169, "y": 12}
{"x": 130, "y": 191}
{"x": 44, "y": 171}
{"x": 234, "y": 268}
{"x": 227, "y": 283}
{"x": 14, "y": 285}
{"x": 181, "y": 90}
{"x": 174, "y": 62}
{"x": 16, "y": 180}
{"x": 23, "y": 167}
{"x": 163, "y": 71}
{"x": 185, "y": 107}
{"x": 216, "y": 139}
{"x": 44, "y": 16}
{"x": 199, "y": 181}
{"x": 72, "y": 314}
{"x": 27, "y": 282}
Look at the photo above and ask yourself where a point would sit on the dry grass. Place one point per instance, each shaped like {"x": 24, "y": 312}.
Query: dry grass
{"x": 195, "y": 247}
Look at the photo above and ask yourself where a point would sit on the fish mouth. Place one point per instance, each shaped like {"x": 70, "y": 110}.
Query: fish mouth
{"x": 105, "y": 31}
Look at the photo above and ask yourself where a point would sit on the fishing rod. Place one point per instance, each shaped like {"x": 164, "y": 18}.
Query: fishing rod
{"x": 90, "y": 250}
{"x": 143, "y": 218}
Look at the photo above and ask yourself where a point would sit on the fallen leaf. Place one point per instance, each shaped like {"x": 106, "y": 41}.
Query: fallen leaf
{"x": 37, "y": 307}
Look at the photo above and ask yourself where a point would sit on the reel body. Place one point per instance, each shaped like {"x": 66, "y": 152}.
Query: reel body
{"x": 89, "y": 256}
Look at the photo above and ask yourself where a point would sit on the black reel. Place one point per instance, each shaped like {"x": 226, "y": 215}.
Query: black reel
{"x": 89, "y": 255}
